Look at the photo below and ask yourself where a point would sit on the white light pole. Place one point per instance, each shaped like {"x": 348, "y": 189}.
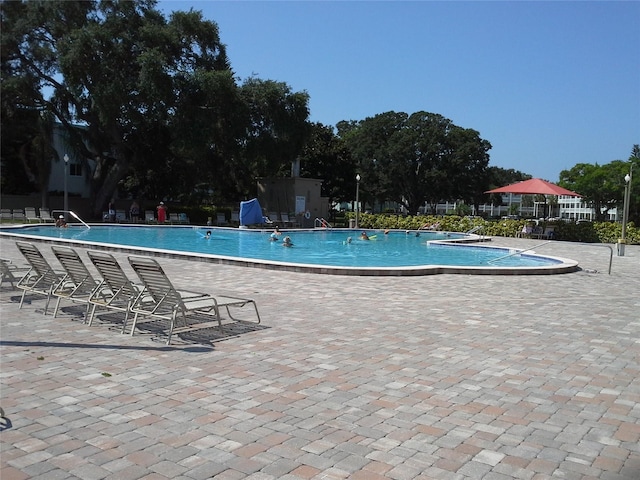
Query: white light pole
{"x": 625, "y": 211}
{"x": 357, "y": 197}
{"x": 66, "y": 193}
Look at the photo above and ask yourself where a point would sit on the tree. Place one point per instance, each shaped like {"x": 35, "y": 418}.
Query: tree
{"x": 600, "y": 186}
{"x": 277, "y": 129}
{"x": 324, "y": 156}
{"x": 116, "y": 69}
{"x": 419, "y": 158}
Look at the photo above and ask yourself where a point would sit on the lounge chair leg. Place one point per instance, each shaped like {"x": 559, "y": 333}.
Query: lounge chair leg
{"x": 22, "y": 299}
{"x": 91, "y": 314}
{"x": 46, "y": 305}
{"x": 171, "y": 325}
{"x": 55, "y": 310}
{"x": 126, "y": 318}
{"x": 133, "y": 327}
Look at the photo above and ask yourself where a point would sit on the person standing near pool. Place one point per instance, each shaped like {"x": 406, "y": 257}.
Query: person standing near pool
{"x": 162, "y": 212}
{"x": 134, "y": 212}
{"x": 112, "y": 210}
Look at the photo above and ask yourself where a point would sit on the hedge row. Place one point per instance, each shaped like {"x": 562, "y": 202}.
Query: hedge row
{"x": 591, "y": 232}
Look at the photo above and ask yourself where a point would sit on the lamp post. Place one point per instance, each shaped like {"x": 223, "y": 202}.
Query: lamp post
{"x": 66, "y": 193}
{"x": 357, "y": 198}
{"x": 625, "y": 211}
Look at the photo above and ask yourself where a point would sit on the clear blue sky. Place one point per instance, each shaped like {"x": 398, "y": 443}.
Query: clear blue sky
{"x": 548, "y": 84}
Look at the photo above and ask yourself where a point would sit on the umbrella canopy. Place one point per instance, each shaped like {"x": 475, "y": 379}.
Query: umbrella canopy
{"x": 535, "y": 186}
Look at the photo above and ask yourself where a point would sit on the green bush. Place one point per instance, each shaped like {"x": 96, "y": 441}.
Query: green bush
{"x": 590, "y": 232}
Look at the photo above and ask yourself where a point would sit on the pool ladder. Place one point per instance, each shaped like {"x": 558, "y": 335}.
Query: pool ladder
{"x": 321, "y": 223}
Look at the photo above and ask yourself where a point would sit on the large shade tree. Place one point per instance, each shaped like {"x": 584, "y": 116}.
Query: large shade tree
{"x": 603, "y": 186}
{"x": 150, "y": 104}
{"x": 417, "y": 159}
{"x": 324, "y": 156}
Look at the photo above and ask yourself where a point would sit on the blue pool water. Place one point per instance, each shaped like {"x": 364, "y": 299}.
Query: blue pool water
{"x": 314, "y": 247}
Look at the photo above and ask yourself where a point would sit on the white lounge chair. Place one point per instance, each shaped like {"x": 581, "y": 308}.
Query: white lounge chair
{"x": 45, "y": 215}
{"x": 6, "y": 215}
{"x": 116, "y": 291}
{"x": 31, "y": 215}
{"x": 11, "y": 273}
{"x": 221, "y": 220}
{"x": 161, "y": 300}
{"x": 41, "y": 278}
{"x": 18, "y": 215}
{"x": 78, "y": 285}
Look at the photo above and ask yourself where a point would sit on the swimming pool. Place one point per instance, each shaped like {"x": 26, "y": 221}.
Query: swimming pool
{"x": 318, "y": 251}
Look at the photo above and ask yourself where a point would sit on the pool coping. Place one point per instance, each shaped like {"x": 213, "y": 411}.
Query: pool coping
{"x": 563, "y": 265}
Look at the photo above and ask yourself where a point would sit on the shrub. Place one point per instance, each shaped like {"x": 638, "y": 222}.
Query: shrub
{"x": 593, "y": 232}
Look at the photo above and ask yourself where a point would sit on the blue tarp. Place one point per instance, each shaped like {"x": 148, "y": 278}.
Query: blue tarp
{"x": 250, "y": 212}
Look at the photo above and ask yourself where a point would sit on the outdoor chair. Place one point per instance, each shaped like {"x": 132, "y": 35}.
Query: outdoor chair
{"x": 30, "y": 215}
{"x": 549, "y": 233}
{"x": 18, "y": 215}
{"x": 45, "y": 215}
{"x": 121, "y": 216}
{"x": 78, "y": 285}
{"x": 6, "y": 215}
{"x": 11, "y": 273}
{"x": 173, "y": 218}
{"x": 235, "y": 218}
{"x": 161, "y": 300}
{"x": 286, "y": 222}
{"x": 221, "y": 220}
{"x": 273, "y": 217}
{"x": 41, "y": 278}
{"x": 116, "y": 291}
{"x": 149, "y": 216}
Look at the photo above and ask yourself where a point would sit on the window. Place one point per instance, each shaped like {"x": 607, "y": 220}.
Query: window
{"x": 75, "y": 169}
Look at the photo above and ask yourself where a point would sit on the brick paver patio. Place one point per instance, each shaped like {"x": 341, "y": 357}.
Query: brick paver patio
{"x": 436, "y": 377}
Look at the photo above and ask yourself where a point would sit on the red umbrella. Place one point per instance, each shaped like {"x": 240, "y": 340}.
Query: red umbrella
{"x": 535, "y": 186}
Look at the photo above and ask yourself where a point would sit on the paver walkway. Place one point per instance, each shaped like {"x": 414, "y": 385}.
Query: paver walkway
{"x": 437, "y": 377}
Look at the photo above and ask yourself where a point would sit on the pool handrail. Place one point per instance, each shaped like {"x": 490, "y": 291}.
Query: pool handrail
{"x": 72, "y": 213}
{"x": 516, "y": 253}
{"x": 321, "y": 223}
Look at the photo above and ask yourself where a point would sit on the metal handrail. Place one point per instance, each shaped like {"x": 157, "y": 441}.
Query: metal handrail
{"x": 74, "y": 215}
{"x": 517, "y": 253}
{"x": 474, "y": 229}
{"x": 321, "y": 222}
{"x": 602, "y": 245}
{"x": 545, "y": 243}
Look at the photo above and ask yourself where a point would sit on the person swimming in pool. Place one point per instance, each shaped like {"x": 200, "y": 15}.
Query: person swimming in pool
{"x": 364, "y": 236}
{"x": 208, "y": 235}
{"x": 286, "y": 242}
{"x": 275, "y": 236}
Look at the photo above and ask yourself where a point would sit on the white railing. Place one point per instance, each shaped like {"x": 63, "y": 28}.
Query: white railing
{"x": 321, "y": 223}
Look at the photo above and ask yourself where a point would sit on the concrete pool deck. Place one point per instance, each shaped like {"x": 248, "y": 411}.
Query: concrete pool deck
{"x": 432, "y": 377}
